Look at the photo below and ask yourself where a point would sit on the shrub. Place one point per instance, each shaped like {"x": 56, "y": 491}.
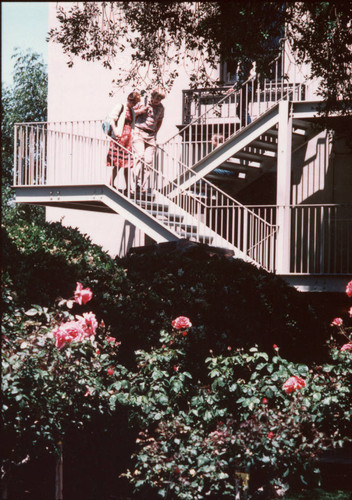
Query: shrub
{"x": 232, "y": 303}
{"x": 57, "y": 375}
{"x": 257, "y": 413}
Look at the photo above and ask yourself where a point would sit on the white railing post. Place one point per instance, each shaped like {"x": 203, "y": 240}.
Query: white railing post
{"x": 245, "y": 231}
{"x": 283, "y": 190}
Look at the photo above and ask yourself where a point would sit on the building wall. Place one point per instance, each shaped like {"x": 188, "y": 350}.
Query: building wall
{"x": 310, "y": 166}
{"x": 82, "y": 92}
{"x": 114, "y": 234}
{"x": 322, "y": 169}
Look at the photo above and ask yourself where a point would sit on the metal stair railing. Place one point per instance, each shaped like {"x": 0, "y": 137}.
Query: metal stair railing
{"x": 222, "y": 214}
{"x": 49, "y": 154}
{"x": 233, "y": 112}
{"x": 210, "y": 214}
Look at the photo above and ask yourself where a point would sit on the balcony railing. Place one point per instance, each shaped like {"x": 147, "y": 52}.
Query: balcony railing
{"x": 321, "y": 237}
{"x": 220, "y": 113}
{"x": 60, "y": 153}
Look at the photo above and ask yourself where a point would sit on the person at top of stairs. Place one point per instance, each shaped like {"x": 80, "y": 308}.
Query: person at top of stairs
{"x": 149, "y": 118}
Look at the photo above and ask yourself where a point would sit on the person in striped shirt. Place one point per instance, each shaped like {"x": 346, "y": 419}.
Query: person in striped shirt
{"x": 149, "y": 118}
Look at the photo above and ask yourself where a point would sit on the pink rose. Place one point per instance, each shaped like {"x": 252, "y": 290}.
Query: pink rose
{"x": 181, "y": 322}
{"x": 270, "y": 435}
{"x": 68, "y": 332}
{"x": 293, "y": 383}
{"x": 337, "y": 322}
{"x": 90, "y": 322}
{"x": 111, "y": 371}
{"x": 82, "y": 295}
{"x": 349, "y": 289}
{"x": 346, "y": 347}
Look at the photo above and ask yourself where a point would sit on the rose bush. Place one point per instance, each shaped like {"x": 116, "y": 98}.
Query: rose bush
{"x": 55, "y": 376}
{"x": 259, "y": 414}
{"x": 256, "y": 422}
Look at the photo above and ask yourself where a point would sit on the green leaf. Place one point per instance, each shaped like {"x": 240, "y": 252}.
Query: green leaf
{"x": 32, "y": 312}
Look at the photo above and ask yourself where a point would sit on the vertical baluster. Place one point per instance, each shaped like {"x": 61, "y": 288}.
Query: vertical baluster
{"x": 245, "y": 231}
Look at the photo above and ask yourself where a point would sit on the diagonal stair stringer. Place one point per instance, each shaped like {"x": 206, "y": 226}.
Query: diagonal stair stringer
{"x": 229, "y": 148}
{"x": 79, "y": 197}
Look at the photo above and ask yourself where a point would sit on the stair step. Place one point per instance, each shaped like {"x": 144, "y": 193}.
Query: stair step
{"x": 239, "y": 167}
{"x": 167, "y": 217}
{"x": 253, "y": 156}
{"x": 235, "y": 163}
{"x": 265, "y": 145}
{"x": 152, "y": 205}
{"x": 189, "y": 228}
{"x": 194, "y": 237}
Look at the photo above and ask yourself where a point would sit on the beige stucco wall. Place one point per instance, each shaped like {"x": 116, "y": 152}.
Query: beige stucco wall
{"x": 82, "y": 93}
{"x": 111, "y": 232}
{"x": 322, "y": 169}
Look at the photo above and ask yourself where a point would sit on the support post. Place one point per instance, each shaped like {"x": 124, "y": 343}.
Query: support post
{"x": 59, "y": 474}
{"x": 283, "y": 189}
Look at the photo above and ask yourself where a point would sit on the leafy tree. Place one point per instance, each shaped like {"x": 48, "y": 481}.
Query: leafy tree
{"x": 321, "y": 34}
{"x": 24, "y": 101}
{"x": 164, "y": 35}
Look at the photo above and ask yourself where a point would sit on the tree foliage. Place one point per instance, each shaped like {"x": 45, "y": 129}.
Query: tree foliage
{"x": 23, "y": 101}
{"x": 164, "y": 36}
{"x": 321, "y": 34}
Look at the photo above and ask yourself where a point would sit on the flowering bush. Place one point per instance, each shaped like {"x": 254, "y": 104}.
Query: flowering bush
{"x": 260, "y": 417}
{"x": 58, "y": 374}
{"x": 256, "y": 421}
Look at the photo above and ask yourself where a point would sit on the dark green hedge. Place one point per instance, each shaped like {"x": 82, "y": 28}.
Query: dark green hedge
{"x": 230, "y": 303}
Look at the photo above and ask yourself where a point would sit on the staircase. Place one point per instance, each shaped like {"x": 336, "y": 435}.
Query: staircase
{"x": 64, "y": 164}
{"x": 183, "y": 201}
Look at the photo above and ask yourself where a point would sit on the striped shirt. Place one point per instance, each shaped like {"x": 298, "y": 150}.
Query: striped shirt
{"x": 150, "y": 120}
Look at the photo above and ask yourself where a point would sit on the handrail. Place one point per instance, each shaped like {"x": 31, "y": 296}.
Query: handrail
{"x": 216, "y": 188}
{"x": 49, "y": 156}
{"x": 193, "y": 140}
{"x": 232, "y": 91}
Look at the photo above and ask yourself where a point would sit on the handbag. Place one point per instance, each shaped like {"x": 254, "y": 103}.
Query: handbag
{"x": 108, "y": 128}
{"x": 107, "y": 125}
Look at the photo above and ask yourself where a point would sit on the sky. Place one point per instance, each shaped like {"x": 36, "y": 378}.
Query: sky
{"x": 23, "y": 25}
